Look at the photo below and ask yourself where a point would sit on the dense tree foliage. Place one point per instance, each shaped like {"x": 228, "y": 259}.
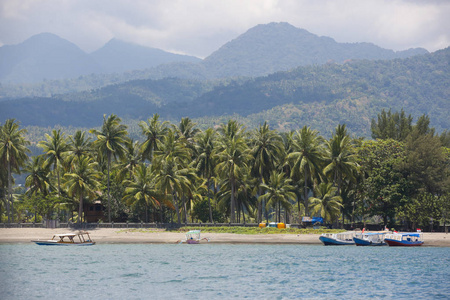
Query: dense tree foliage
{"x": 179, "y": 173}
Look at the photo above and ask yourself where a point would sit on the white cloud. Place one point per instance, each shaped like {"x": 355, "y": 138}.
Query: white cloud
{"x": 199, "y": 27}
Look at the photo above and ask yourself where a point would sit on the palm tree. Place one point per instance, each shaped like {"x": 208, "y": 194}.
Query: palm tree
{"x": 141, "y": 189}
{"x": 186, "y": 130}
{"x": 205, "y": 162}
{"x": 83, "y": 181}
{"x": 153, "y": 131}
{"x": 340, "y": 157}
{"x": 13, "y": 154}
{"x": 172, "y": 159}
{"x": 306, "y": 157}
{"x": 80, "y": 145}
{"x": 327, "y": 203}
{"x": 172, "y": 178}
{"x": 55, "y": 149}
{"x": 130, "y": 161}
{"x": 232, "y": 160}
{"x": 267, "y": 149}
{"x": 110, "y": 143}
{"x": 38, "y": 180}
{"x": 279, "y": 191}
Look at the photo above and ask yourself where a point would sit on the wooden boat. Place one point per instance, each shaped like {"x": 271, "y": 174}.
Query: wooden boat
{"x": 68, "y": 239}
{"x": 337, "y": 239}
{"x": 370, "y": 239}
{"x": 193, "y": 237}
{"x": 404, "y": 239}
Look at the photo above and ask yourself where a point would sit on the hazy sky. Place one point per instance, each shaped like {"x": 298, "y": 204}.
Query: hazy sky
{"x": 199, "y": 27}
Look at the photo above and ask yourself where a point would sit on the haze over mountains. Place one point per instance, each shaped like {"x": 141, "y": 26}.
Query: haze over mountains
{"x": 47, "y": 57}
{"x": 261, "y": 50}
{"x": 275, "y": 72}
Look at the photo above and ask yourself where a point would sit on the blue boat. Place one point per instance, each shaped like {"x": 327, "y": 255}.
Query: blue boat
{"x": 370, "y": 239}
{"x": 404, "y": 239}
{"x": 337, "y": 239}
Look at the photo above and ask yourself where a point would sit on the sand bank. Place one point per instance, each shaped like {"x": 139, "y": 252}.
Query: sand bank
{"x": 108, "y": 235}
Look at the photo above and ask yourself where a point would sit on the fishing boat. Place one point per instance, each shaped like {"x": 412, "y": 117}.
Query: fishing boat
{"x": 404, "y": 239}
{"x": 370, "y": 239}
{"x": 81, "y": 238}
{"x": 337, "y": 239}
{"x": 193, "y": 237}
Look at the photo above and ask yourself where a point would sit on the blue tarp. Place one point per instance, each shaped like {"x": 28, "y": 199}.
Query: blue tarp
{"x": 313, "y": 220}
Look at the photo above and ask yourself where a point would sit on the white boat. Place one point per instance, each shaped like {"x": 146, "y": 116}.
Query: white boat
{"x": 338, "y": 239}
{"x": 370, "y": 239}
{"x": 407, "y": 239}
{"x": 81, "y": 238}
{"x": 193, "y": 237}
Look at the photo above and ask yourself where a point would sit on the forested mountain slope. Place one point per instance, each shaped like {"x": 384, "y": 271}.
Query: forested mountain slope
{"x": 262, "y": 50}
{"x": 319, "y": 96}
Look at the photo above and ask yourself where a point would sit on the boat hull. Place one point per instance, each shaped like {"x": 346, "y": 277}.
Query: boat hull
{"x": 55, "y": 243}
{"x": 396, "y": 243}
{"x": 327, "y": 241}
{"x": 193, "y": 242}
{"x": 362, "y": 242}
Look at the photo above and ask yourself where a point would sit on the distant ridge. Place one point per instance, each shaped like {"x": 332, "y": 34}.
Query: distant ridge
{"x": 119, "y": 56}
{"x": 46, "y": 56}
{"x": 273, "y": 47}
{"x": 262, "y": 50}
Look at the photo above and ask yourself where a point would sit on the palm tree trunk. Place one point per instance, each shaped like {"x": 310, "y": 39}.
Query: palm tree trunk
{"x": 185, "y": 210}
{"x": 209, "y": 202}
{"x": 175, "y": 200}
{"x": 109, "y": 197}
{"x": 9, "y": 192}
{"x": 232, "y": 204}
{"x": 59, "y": 180}
{"x": 260, "y": 206}
{"x": 80, "y": 208}
{"x": 305, "y": 174}
{"x": 146, "y": 213}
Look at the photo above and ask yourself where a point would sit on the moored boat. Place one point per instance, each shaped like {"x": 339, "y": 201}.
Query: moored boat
{"x": 370, "y": 239}
{"x": 407, "y": 239}
{"x": 337, "y": 239}
{"x": 193, "y": 237}
{"x": 81, "y": 238}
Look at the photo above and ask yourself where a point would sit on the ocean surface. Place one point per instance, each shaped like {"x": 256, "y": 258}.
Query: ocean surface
{"x": 217, "y": 271}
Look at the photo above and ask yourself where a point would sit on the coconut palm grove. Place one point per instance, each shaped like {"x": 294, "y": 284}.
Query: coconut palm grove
{"x": 178, "y": 173}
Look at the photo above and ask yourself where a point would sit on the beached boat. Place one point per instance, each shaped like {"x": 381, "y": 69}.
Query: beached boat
{"x": 81, "y": 238}
{"x": 370, "y": 239}
{"x": 404, "y": 239}
{"x": 193, "y": 237}
{"x": 337, "y": 239}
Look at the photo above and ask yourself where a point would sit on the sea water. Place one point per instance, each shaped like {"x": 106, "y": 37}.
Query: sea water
{"x": 218, "y": 271}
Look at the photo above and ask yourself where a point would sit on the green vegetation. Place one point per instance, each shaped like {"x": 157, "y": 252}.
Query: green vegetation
{"x": 228, "y": 174}
{"x": 321, "y": 97}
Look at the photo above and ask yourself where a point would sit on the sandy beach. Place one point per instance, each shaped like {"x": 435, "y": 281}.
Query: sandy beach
{"x": 109, "y": 236}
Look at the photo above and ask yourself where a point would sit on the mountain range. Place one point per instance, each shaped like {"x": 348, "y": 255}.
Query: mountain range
{"x": 262, "y": 50}
{"x": 274, "y": 72}
{"x": 46, "y": 56}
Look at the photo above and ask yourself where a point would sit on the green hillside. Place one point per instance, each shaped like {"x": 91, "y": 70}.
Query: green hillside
{"x": 318, "y": 96}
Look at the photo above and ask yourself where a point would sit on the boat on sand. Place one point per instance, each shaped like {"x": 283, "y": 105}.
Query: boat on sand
{"x": 404, "y": 239}
{"x": 193, "y": 237}
{"x": 370, "y": 239}
{"x": 337, "y": 239}
{"x": 81, "y": 238}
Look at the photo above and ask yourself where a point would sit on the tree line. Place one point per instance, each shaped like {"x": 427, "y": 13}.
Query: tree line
{"x": 179, "y": 173}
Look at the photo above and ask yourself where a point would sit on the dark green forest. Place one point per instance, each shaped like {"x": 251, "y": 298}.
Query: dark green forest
{"x": 178, "y": 172}
{"x": 318, "y": 96}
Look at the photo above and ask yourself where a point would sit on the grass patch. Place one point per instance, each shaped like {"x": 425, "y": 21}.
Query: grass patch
{"x": 257, "y": 230}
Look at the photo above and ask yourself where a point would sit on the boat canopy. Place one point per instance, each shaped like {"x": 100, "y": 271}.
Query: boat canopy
{"x": 411, "y": 234}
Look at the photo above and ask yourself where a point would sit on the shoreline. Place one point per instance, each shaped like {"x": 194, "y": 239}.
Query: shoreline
{"x": 130, "y": 236}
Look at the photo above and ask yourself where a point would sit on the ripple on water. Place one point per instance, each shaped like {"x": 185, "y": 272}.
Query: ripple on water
{"x": 223, "y": 271}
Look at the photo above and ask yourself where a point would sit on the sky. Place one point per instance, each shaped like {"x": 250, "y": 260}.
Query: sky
{"x": 199, "y": 27}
